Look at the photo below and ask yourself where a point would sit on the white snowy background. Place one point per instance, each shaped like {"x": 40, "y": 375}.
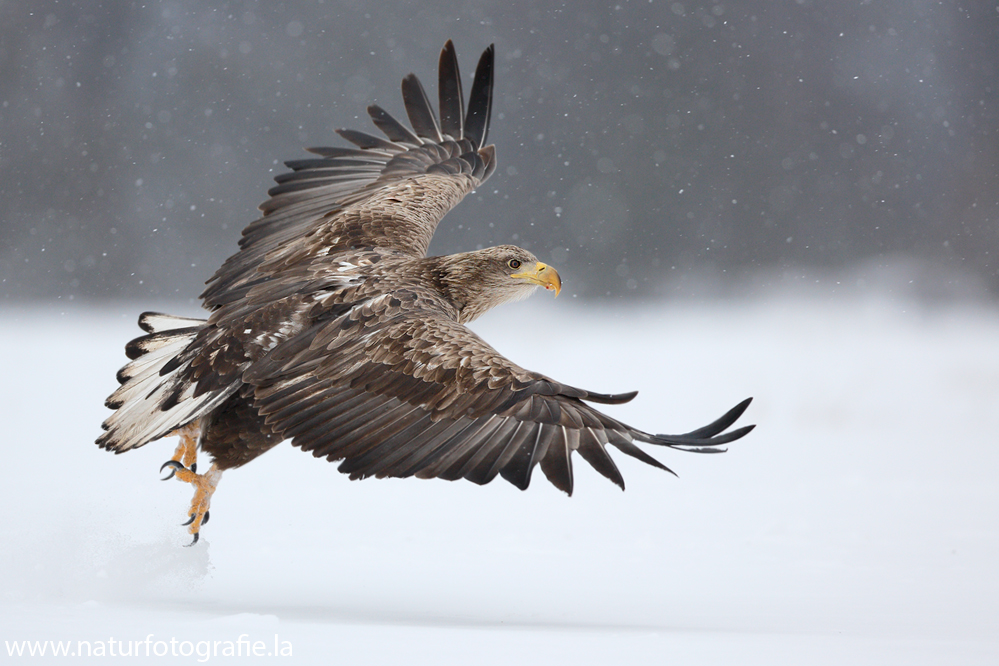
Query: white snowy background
{"x": 856, "y": 525}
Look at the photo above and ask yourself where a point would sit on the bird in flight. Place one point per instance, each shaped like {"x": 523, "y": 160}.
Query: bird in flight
{"x": 332, "y": 328}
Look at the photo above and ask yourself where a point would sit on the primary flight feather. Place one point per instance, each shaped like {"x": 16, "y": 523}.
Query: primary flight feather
{"x": 332, "y": 328}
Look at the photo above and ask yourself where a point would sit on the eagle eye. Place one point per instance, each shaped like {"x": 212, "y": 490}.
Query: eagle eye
{"x": 513, "y": 263}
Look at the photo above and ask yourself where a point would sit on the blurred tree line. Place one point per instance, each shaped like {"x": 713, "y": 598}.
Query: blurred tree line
{"x": 642, "y": 145}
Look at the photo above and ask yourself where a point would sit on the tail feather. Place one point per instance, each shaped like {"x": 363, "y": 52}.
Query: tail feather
{"x": 147, "y": 405}
{"x": 157, "y": 322}
{"x": 148, "y": 351}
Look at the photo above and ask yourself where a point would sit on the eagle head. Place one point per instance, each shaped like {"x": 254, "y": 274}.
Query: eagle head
{"x": 479, "y": 281}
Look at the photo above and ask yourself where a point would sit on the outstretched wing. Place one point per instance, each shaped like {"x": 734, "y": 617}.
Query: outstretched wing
{"x": 384, "y": 193}
{"x": 394, "y": 391}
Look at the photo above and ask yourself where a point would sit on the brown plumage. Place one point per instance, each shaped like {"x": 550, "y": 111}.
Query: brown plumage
{"x": 332, "y": 328}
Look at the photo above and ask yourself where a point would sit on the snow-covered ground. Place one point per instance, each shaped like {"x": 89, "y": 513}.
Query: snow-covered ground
{"x": 859, "y": 523}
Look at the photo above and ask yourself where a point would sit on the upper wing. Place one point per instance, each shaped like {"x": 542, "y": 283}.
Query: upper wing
{"x": 393, "y": 391}
{"x": 383, "y": 193}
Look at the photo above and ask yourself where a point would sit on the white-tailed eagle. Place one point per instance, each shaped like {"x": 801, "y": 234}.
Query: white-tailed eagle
{"x": 332, "y": 328}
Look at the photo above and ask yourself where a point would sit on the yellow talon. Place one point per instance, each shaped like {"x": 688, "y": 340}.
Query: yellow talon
{"x": 187, "y": 451}
{"x": 204, "y": 488}
{"x": 183, "y": 465}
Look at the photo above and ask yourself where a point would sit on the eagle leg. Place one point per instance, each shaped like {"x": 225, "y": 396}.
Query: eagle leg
{"x": 204, "y": 488}
{"x": 186, "y": 454}
{"x": 184, "y": 466}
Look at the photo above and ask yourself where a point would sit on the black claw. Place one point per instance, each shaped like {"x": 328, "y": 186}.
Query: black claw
{"x": 193, "y": 542}
{"x": 173, "y": 465}
{"x": 189, "y": 521}
{"x": 204, "y": 521}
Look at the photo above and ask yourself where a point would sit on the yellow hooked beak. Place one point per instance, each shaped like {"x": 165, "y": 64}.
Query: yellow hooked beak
{"x": 543, "y": 276}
